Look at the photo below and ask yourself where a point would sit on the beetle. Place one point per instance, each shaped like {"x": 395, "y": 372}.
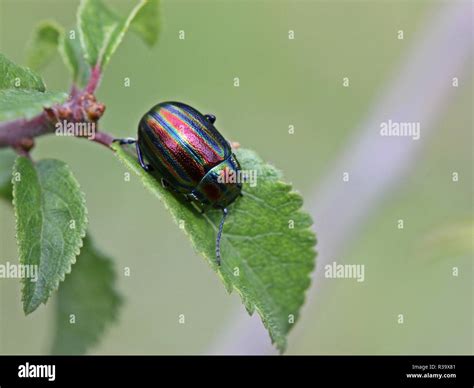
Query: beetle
{"x": 190, "y": 155}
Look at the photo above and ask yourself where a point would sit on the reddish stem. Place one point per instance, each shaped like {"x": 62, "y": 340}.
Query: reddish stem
{"x": 74, "y": 92}
{"x": 13, "y": 132}
{"x": 103, "y": 138}
{"x": 94, "y": 80}
{"x": 18, "y": 133}
{"x": 81, "y": 107}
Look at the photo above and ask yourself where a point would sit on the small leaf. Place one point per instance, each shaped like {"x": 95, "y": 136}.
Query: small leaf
{"x": 7, "y": 160}
{"x": 102, "y": 30}
{"x": 73, "y": 56}
{"x": 20, "y": 103}
{"x": 267, "y": 246}
{"x": 13, "y": 76}
{"x": 147, "y": 22}
{"x": 87, "y": 302}
{"x": 51, "y": 221}
{"x": 22, "y": 92}
{"x": 88, "y": 292}
{"x": 44, "y": 44}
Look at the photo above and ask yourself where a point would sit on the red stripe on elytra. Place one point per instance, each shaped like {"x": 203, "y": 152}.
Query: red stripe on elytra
{"x": 206, "y": 152}
{"x": 176, "y": 151}
{"x": 163, "y": 160}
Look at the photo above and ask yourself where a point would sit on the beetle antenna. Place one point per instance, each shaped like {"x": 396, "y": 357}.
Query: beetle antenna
{"x": 219, "y": 235}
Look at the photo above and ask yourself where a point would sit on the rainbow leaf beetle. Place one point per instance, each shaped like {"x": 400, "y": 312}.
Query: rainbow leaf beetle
{"x": 189, "y": 154}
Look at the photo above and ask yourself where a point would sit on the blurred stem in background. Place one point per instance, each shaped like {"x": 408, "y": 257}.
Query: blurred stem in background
{"x": 418, "y": 92}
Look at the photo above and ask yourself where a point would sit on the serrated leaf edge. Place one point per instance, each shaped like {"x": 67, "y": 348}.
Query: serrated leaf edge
{"x": 251, "y": 307}
{"x": 76, "y": 252}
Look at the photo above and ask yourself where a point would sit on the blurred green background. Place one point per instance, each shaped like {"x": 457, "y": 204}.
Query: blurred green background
{"x": 282, "y": 82}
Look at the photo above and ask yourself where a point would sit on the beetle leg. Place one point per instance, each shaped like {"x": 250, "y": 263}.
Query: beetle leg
{"x": 190, "y": 197}
{"x": 127, "y": 140}
{"x": 145, "y": 166}
{"x": 219, "y": 235}
{"x": 210, "y": 118}
{"x": 165, "y": 183}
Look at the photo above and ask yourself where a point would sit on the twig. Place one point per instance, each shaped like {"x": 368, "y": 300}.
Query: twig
{"x": 94, "y": 80}
{"x": 12, "y": 133}
{"x": 103, "y": 138}
{"x": 81, "y": 107}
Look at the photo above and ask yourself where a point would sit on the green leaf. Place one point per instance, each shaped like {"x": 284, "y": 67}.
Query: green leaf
{"x": 7, "y": 160}
{"x": 147, "y": 22}
{"x": 73, "y": 56}
{"x": 44, "y": 44}
{"x": 273, "y": 260}
{"x": 20, "y": 103}
{"x": 88, "y": 292}
{"x": 22, "y": 92}
{"x": 13, "y": 76}
{"x": 101, "y": 30}
{"x": 50, "y": 37}
{"x": 89, "y": 295}
{"x": 51, "y": 221}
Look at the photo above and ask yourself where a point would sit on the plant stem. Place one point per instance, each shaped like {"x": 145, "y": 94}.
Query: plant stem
{"x": 13, "y": 132}
{"x": 103, "y": 138}
{"x": 93, "y": 80}
{"x": 81, "y": 107}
